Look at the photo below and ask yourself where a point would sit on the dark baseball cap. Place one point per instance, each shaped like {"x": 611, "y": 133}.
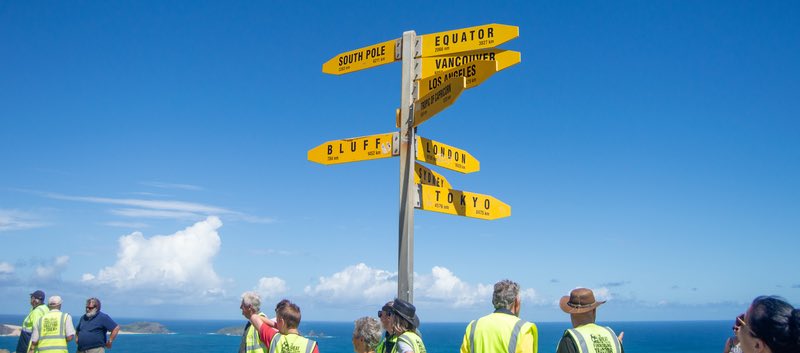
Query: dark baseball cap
{"x": 38, "y": 295}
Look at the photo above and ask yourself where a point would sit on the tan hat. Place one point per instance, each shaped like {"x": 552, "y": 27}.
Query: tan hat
{"x": 580, "y": 300}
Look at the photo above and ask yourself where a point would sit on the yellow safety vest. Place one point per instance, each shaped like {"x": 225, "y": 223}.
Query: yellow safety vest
{"x": 252, "y": 343}
{"x": 592, "y": 338}
{"x": 500, "y": 333}
{"x": 52, "y": 333}
{"x": 381, "y": 348}
{"x": 291, "y": 343}
{"x": 33, "y": 317}
{"x": 411, "y": 339}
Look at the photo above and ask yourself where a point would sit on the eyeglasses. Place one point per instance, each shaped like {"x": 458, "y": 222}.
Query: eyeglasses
{"x": 741, "y": 323}
{"x": 90, "y": 307}
{"x": 382, "y": 313}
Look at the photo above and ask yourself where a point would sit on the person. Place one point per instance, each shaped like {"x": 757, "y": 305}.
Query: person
{"x": 250, "y": 342}
{"x": 38, "y": 309}
{"x": 770, "y": 325}
{"x": 52, "y": 332}
{"x": 366, "y": 335}
{"x": 92, "y": 328}
{"x": 284, "y": 336}
{"x": 404, "y": 323}
{"x": 502, "y": 331}
{"x": 732, "y": 343}
{"x": 388, "y": 341}
{"x": 586, "y": 336}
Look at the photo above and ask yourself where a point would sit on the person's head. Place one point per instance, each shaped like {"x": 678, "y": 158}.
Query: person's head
{"x": 92, "y": 307}
{"x": 287, "y": 315}
{"x": 250, "y": 300}
{"x": 37, "y": 298}
{"x": 385, "y": 315}
{"x": 404, "y": 317}
{"x": 580, "y": 305}
{"x": 366, "y": 335}
{"x": 506, "y": 296}
{"x": 770, "y": 325}
{"x": 54, "y": 302}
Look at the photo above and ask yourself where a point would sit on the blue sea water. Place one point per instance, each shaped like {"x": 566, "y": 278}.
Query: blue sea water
{"x": 198, "y": 337}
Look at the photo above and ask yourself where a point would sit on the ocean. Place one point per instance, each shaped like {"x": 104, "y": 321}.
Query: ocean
{"x": 198, "y": 336}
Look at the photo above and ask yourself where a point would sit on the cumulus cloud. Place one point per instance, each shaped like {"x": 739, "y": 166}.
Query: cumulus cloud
{"x": 361, "y": 283}
{"x": 179, "y": 263}
{"x": 355, "y": 283}
{"x": 17, "y": 220}
{"x": 271, "y": 287}
{"x": 602, "y": 293}
{"x": 6, "y": 268}
{"x": 52, "y": 271}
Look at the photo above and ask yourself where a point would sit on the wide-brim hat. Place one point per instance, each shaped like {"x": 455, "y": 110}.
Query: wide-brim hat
{"x": 406, "y": 310}
{"x": 579, "y": 300}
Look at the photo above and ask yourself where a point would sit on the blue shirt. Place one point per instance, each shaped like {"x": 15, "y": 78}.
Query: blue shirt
{"x": 92, "y": 332}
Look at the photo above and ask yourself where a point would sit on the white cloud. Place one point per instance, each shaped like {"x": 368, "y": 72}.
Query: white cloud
{"x": 52, "y": 271}
{"x": 355, "y": 283}
{"x": 271, "y": 287}
{"x": 361, "y": 283}
{"x": 602, "y": 293}
{"x": 17, "y": 220}
{"x": 6, "y": 268}
{"x": 180, "y": 263}
{"x": 443, "y": 286}
{"x": 161, "y": 185}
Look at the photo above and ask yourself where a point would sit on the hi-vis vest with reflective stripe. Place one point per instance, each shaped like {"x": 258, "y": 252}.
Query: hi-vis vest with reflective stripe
{"x": 381, "y": 348}
{"x": 53, "y": 333}
{"x": 411, "y": 339}
{"x": 33, "y": 317}
{"x": 592, "y": 338}
{"x": 499, "y": 333}
{"x": 252, "y": 343}
{"x": 291, "y": 343}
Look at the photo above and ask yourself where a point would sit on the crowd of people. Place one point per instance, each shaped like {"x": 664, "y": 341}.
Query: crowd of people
{"x": 770, "y": 325}
{"x": 47, "y": 329}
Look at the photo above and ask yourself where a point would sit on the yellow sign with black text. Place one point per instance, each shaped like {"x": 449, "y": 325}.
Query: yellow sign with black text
{"x": 424, "y": 175}
{"x": 461, "y": 203}
{"x": 438, "y": 99}
{"x": 363, "y": 58}
{"x": 465, "y": 39}
{"x": 356, "y": 149}
{"x": 475, "y": 72}
{"x": 446, "y": 156}
{"x": 438, "y": 64}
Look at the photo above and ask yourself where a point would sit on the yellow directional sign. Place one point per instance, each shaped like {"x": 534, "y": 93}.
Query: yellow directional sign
{"x": 465, "y": 39}
{"x": 438, "y": 64}
{"x": 461, "y": 203}
{"x": 423, "y": 175}
{"x": 363, "y": 58}
{"x": 438, "y": 99}
{"x": 445, "y": 156}
{"x": 475, "y": 72}
{"x": 356, "y": 149}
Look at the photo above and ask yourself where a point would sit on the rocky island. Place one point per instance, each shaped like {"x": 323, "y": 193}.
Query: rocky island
{"x": 144, "y": 327}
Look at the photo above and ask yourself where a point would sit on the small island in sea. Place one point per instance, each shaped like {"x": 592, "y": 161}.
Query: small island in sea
{"x": 231, "y": 331}
{"x": 144, "y": 327}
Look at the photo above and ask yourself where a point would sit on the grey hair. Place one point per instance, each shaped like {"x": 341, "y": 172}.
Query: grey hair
{"x": 96, "y": 301}
{"x": 369, "y": 330}
{"x": 252, "y": 299}
{"x": 505, "y": 293}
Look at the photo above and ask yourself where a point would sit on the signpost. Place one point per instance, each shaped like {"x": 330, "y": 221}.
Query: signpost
{"x": 436, "y": 68}
{"x": 461, "y": 203}
{"x": 356, "y": 149}
{"x": 445, "y": 156}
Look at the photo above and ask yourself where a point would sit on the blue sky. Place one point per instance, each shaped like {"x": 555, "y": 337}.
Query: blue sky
{"x": 154, "y": 155}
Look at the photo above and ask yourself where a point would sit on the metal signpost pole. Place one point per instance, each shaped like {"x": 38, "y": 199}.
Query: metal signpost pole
{"x": 405, "y": 258}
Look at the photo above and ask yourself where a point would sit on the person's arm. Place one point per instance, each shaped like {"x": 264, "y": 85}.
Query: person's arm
{"x": 265, "y": 332}
{"x": 69, "y": 328}
{"x": 112, "y": 337}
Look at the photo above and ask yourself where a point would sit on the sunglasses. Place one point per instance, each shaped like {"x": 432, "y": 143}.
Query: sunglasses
{"x": 382, "y": 313}
{"x": 90, "y": 307}
{"x": 741, "y": 323}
